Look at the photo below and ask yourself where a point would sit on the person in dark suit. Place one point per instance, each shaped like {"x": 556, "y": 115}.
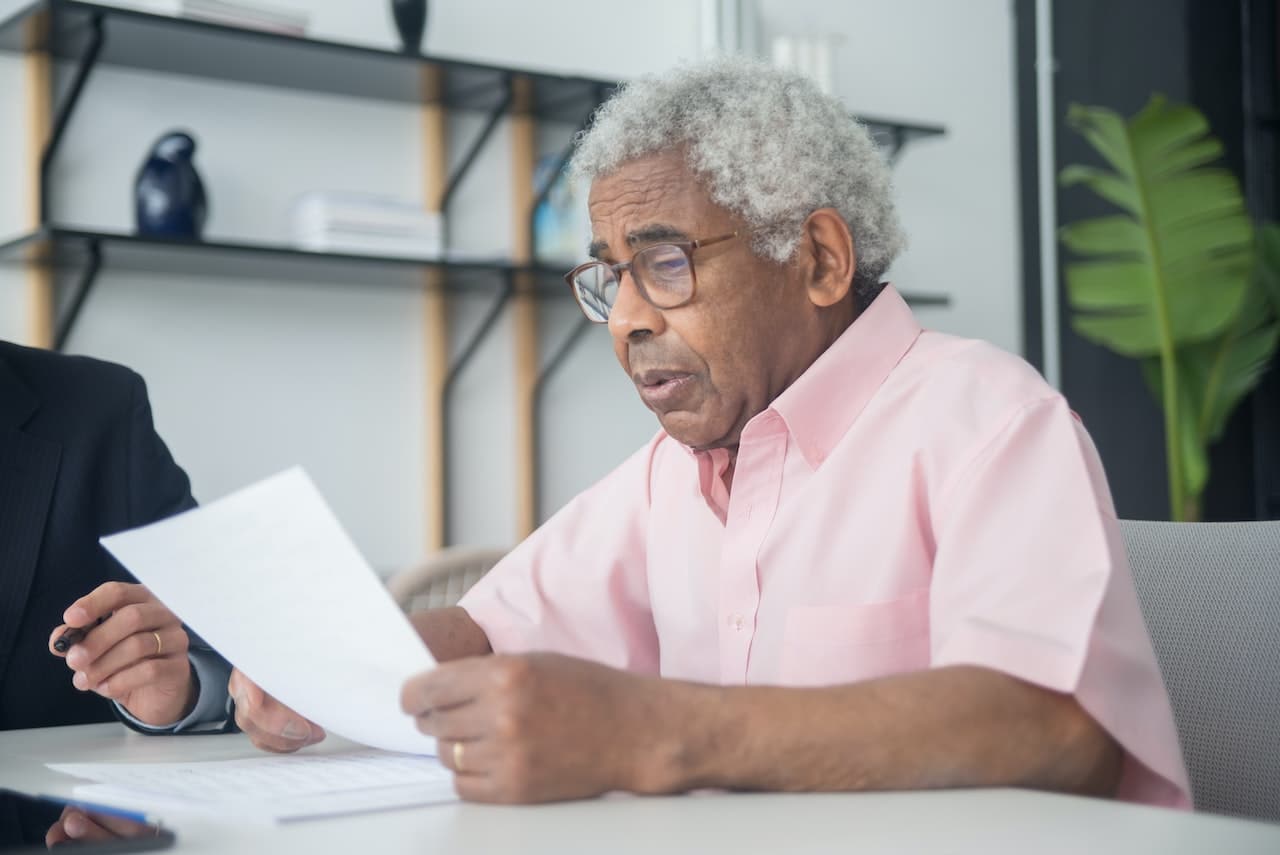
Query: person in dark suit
{"x": 80, "y": 459}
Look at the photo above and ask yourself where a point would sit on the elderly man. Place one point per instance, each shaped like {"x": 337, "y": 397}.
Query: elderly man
{"x": 858, "y": 555}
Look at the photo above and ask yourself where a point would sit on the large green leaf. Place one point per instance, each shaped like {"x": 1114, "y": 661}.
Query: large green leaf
{"x": 1164, "y": 280}
{"x": 1107, "y": 132}
{"x": 1116, "y": 190}
{"x": 1231, "y": 368}
{"x": 1173, "y": 268}
{"x": 1219, "y": 374}
{"x": 1214, "y": 377}
{"x": 1105, "y": 236}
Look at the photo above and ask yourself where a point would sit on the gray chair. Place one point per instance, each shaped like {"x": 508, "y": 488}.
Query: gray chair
{"x": 442, "y": 578}
{"x": 1210, "y": 594}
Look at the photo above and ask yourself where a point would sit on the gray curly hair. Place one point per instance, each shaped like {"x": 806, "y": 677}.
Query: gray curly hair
{"x": 771, "y": 146}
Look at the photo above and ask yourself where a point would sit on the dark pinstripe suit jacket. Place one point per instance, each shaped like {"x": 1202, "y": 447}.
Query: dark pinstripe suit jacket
{"x": 79, "y": 458}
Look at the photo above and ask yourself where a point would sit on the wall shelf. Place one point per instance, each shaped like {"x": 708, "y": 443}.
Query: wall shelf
{"x": 72, "y": 249}
{"x": 173, "y": 45}
{"x": 87, "y": 251}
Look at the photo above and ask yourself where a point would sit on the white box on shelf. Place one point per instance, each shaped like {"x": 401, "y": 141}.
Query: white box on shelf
{"x": 363, "y": 244}
{"x": 255, "y": 16}
{"x": 365, "y": 213}
{"x": 328, "y": 221}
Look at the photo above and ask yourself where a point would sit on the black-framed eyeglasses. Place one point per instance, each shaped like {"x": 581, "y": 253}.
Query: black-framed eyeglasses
{"x": 663, "y": 274}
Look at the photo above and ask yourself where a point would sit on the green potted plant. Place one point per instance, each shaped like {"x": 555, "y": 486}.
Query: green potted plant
{"x": 1176, "y": 278}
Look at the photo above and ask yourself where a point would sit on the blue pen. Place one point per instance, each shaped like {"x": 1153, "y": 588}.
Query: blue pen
{"x": 106, "y": 810}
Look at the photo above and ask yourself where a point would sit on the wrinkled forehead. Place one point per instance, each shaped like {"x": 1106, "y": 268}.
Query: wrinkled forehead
{"x": 650, "y": 199}
{"x": 643, "y": 182}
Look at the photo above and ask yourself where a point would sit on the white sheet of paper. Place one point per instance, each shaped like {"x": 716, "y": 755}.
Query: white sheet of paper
{"x": 269, "y": 578}
{"x": 270, "y": 787}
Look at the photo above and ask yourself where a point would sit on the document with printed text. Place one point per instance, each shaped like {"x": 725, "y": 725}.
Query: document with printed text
{"x": 270, "y": 787}
{"x": 268, "y": 577}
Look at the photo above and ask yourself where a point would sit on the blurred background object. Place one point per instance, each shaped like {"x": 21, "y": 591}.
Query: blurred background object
{"x": 1220, "y": 58}
{"x": 812, "y": 56}
{"x": 1173, "y": 278}
{"x": 411, "y": 23}
{"x": 169, "y": 197}
{"x": 365, "y": 223}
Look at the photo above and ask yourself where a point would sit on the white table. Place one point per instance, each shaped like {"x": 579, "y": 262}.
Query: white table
{"x": 974, "y": 821}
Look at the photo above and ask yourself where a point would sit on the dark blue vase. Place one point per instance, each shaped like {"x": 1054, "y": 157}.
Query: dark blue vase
{"x": 411, "y": 22}
{"x": 168, "y": 194}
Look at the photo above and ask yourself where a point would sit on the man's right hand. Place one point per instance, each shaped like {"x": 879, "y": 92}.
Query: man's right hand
{"x": 270, "y": 724}
{"x": 449, "y": 633}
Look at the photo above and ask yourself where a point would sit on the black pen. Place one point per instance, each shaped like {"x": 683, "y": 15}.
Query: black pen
{"x": 74, "y": 635}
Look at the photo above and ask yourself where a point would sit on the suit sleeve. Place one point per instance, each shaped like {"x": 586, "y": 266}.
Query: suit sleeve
{"x": 159, "y": 488}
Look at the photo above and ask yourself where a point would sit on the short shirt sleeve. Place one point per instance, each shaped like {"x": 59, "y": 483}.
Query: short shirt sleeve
{"x": 1031, "y": 579}
{"x": 578, "y": 584}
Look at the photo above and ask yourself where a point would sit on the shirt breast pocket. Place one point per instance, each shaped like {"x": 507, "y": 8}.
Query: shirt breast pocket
{"x": 830, "y": 645}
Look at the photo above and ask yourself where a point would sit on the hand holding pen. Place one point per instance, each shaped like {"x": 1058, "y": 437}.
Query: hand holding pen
{"x": 74, "y": 635}
{"x": 124, "y": 644}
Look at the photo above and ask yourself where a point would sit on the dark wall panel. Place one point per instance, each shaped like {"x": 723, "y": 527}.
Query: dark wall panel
{"x": 1115, "y": 54}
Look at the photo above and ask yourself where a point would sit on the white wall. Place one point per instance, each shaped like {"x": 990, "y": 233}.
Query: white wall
{"x": 250, "y": 377}
{"x": 939, "y": 62}
{"x": 14, "y": 188}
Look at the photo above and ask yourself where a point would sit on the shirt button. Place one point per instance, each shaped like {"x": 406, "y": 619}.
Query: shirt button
{"x": 737, "y": 622}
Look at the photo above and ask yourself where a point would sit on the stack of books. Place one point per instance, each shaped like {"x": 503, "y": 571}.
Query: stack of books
{"x": 366, "y": 224}
{"x": 291, "y": 22}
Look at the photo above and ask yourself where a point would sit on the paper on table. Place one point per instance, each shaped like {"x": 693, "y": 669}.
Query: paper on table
{"x": 282, "y": 788}
{"x": 269, "y": 578}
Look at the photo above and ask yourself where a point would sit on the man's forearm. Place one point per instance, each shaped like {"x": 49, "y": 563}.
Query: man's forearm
{"x": 450, "y": 633}
{"x": 951, "y": 727}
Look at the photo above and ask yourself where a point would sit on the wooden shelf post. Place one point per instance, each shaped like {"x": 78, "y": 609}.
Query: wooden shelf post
{"x": 436, "y": 308}
{"x": 524, "y": 154}
{"x": 37, "y": 120}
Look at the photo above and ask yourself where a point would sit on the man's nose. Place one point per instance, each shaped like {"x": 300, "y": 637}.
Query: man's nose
{"x": 632, "y": 316}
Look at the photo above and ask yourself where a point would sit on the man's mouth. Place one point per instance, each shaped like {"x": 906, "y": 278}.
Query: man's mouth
{"x": 661, "y": 389}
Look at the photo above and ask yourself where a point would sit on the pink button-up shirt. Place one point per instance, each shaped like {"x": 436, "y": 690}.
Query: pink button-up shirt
{"x": 913, "y": 500}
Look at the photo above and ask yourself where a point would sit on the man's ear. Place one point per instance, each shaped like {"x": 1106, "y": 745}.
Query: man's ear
{"x": 833, "y": 260}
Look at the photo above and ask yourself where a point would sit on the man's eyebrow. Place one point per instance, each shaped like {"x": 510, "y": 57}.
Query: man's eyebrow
{"x": 653, "y": 233}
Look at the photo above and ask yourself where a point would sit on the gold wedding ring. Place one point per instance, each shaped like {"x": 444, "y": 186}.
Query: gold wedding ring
{"x": 457, "y": 756}
{"x": 159, "y": 643}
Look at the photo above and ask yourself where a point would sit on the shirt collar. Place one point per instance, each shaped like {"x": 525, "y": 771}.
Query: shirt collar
{"x": 823, "y": 403}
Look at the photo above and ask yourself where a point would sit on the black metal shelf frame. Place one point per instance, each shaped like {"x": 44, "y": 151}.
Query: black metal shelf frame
{"x": 79, "y": 32}
{"x": 90, "y": 34}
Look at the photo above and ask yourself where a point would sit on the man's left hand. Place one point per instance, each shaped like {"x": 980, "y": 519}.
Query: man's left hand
{"x": 136, "y": 656}
{"x": 538, "y": 727}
